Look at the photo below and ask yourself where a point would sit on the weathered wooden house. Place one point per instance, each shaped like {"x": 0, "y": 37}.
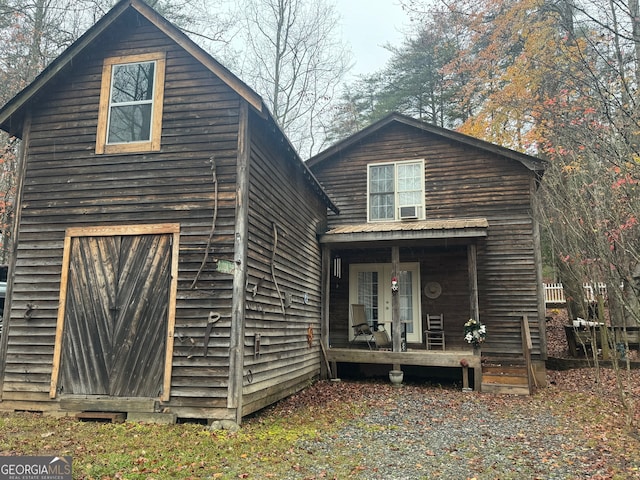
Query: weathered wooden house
{"x": 433, "y": 222}
{"x": 166, "y": 257}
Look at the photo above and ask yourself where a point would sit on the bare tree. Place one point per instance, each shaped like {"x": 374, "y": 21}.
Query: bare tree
{"x": 294, "y": 58}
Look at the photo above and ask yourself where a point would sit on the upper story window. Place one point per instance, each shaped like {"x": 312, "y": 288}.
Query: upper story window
{"x": 131, "y": 97}
{"x": 396, "y": 191}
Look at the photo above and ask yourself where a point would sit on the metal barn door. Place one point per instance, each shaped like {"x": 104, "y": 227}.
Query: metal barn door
{"x": 116, "y": 315}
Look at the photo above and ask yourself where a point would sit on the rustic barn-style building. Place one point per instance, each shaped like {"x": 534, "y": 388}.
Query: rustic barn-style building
{"x": 432, "y": 222}
{"x": 166, "y": 258}
{"x": 174, "y": 257}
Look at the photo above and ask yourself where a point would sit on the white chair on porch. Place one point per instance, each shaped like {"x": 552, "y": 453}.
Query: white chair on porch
{"x": 382, "y": 339}
{"x": 434, "y": 334}
{"x": 361, "y": 327}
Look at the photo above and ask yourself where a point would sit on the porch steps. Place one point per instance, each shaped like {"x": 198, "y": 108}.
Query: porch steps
{"x": 511, "y": 379}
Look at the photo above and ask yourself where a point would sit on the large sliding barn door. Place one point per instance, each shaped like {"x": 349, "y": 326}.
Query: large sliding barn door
{"x": 115, "y": 320}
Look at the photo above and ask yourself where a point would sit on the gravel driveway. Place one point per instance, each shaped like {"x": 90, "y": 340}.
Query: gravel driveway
{"x": 424, "y": 432}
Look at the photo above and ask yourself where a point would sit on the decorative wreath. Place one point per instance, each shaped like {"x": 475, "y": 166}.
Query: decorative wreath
{"x": 474, "y": 332}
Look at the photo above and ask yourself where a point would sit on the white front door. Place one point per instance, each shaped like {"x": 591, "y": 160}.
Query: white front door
{"x": 370, "y": 285}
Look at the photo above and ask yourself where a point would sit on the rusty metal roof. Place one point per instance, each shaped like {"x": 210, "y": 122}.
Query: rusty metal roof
{"x": 415, "y": 230}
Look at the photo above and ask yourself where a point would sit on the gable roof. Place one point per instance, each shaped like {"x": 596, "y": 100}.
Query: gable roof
{"x": 532, "y": 163}
{"x": 13, "y": 112}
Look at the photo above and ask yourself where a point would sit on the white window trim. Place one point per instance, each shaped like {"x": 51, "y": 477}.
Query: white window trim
{"x": 421, "y": 207}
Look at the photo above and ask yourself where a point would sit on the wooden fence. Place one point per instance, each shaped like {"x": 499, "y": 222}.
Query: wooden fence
{"x": 554, "y": 293}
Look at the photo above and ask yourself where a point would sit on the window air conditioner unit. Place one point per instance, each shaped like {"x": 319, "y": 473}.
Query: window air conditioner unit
{"x": 409, "y": 212}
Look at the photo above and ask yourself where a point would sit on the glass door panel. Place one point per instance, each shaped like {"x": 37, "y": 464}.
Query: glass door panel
{"x": 370, "y": 285}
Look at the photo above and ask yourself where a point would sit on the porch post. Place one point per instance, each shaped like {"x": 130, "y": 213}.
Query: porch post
{"x": 472, "y": 263}
{"x": 396, "y": 326}
{"x": 325, "y": 291}
{"x": 235, "y": 393}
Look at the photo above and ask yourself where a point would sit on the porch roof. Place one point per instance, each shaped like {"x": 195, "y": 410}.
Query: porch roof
{"x": 416, "y": 230}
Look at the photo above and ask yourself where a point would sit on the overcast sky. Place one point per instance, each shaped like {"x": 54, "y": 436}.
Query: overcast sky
{"x": 367, "y": 26}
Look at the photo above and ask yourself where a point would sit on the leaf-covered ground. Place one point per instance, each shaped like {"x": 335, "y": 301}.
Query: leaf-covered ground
{"x": 577, "y": 428}
{"x": 327, "y": 431}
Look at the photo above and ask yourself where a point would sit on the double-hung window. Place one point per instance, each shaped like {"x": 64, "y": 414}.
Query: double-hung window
{"x": 130, "y": 116}
{"x": 396, "y": 191}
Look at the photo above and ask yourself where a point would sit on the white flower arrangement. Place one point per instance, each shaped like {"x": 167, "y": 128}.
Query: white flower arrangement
{"x": 474, "y": 332}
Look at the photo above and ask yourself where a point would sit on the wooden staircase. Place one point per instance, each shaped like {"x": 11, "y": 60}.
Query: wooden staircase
{"x": 505, "y": 378}
{"x": 513, "y": 376}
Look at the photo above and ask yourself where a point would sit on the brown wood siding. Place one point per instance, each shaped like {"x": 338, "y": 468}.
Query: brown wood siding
{"x": 460, "y": 181}
{"x": 66, "y": 185}
{"x": 279, "y": 194}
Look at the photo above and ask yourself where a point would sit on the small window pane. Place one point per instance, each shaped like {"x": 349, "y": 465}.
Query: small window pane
{"x": 381, "y": 179}
{"x": 409, "y": 176}
{"x": 131, "y": 123}
{"x": 381, "y": 207}
{"x": 381, "y": 192}
{"x": 409, "y": 198}
{"x": 368, "y": 294}
{"x": 405, "y": 283}
{"x": 132, "y": 82}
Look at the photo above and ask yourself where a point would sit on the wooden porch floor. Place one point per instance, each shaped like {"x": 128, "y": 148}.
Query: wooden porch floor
{"x": 425, "y": 358}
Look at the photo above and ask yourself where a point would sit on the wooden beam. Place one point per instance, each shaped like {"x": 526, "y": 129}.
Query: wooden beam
{"x": 472, "y": 262}
{"x": 238, "y": 302}
{"x": 62, "y": 302}
{"x": 171, "y": 320}
{"x": 112, "y": 230}
{"x": 107, "y": 404}
{"x": 537, "y": 255}
{"x": 427, "y": 358}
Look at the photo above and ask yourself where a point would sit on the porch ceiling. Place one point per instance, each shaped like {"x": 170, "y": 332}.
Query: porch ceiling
{"x": 416, "y": 230}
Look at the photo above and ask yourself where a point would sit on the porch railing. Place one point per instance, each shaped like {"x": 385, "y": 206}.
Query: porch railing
{"x": 554, "y": 292}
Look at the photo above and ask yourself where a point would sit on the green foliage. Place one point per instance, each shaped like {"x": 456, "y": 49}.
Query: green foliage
{"x": 415, "y": 82}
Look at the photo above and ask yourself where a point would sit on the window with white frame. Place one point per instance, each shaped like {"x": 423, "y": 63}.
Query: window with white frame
{"x": 396, "y": 191}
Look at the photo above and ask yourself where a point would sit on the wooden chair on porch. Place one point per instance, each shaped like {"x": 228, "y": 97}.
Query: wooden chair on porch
{"x": 434, "y": 334}
{"x": 361, "y": 327}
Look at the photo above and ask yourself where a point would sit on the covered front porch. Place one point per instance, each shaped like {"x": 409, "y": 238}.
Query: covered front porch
{"x": 401, "y": 273}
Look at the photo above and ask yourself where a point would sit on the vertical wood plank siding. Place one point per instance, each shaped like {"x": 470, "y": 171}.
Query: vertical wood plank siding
{"x": 279, "y": 194}
{"x": 460, "y": 181}
{"x": 67, "y": 185}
